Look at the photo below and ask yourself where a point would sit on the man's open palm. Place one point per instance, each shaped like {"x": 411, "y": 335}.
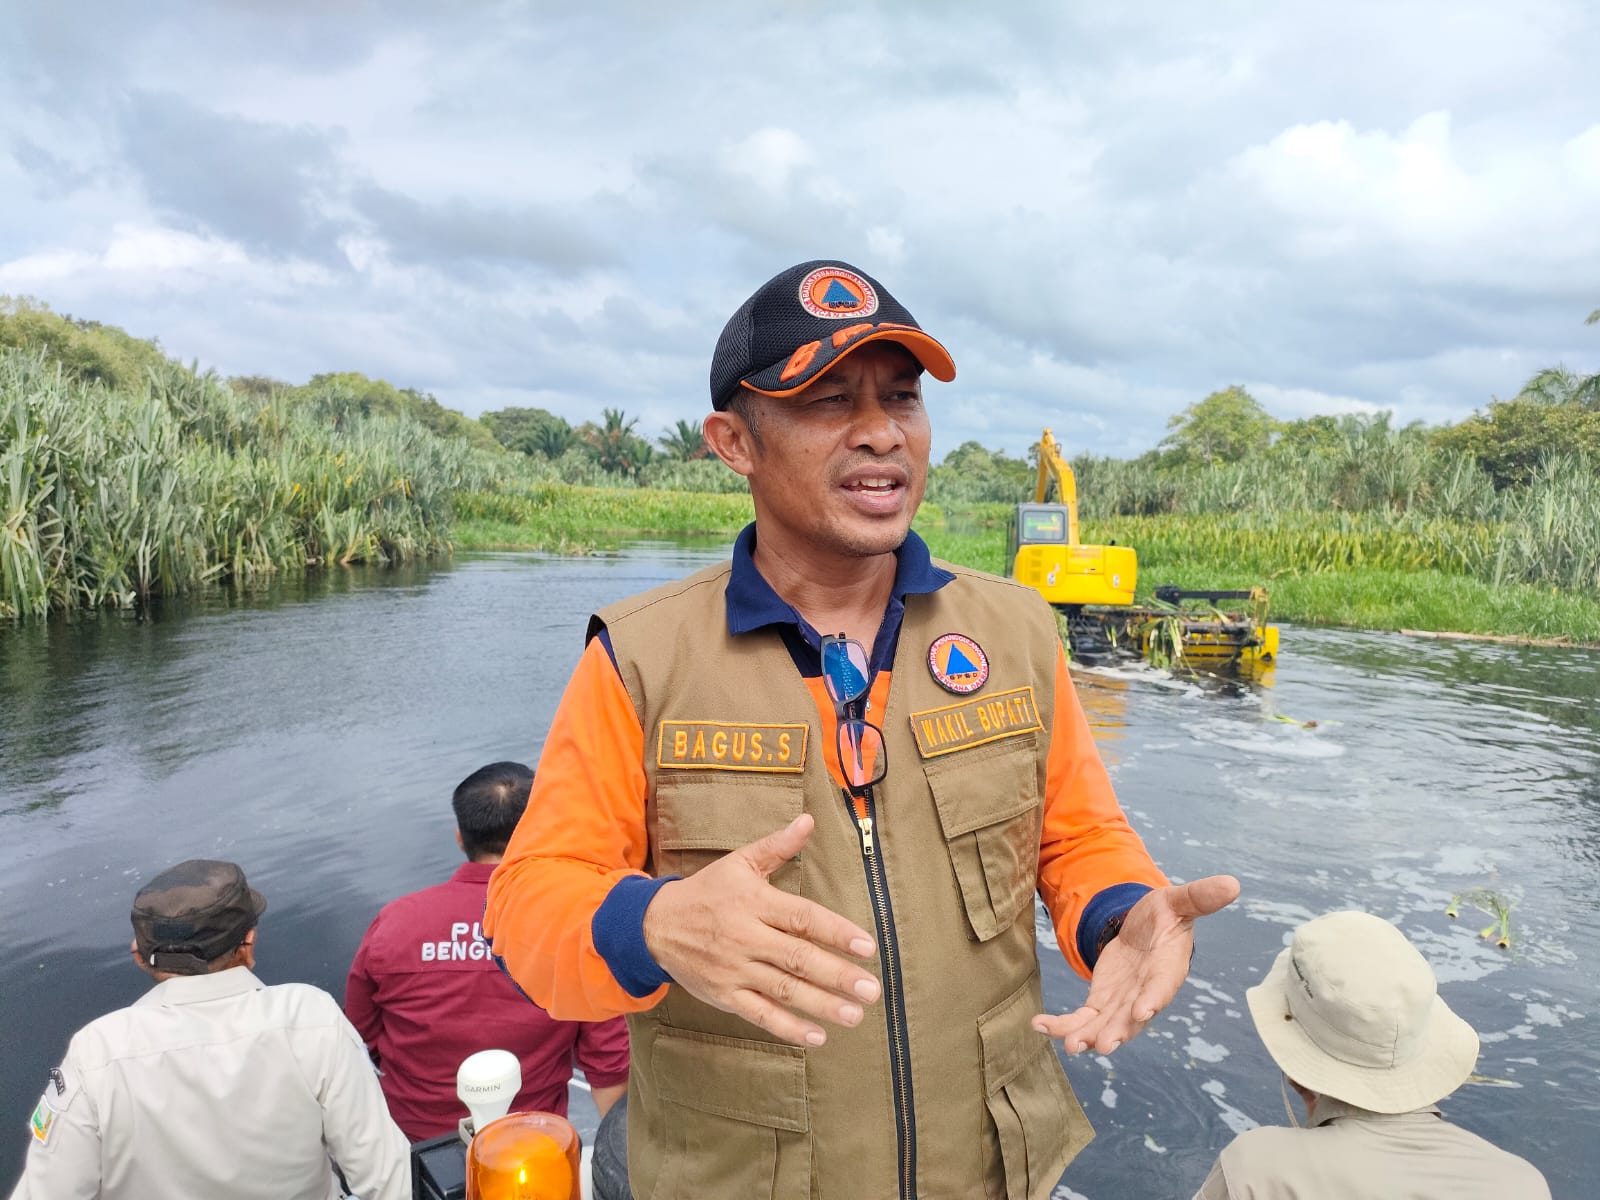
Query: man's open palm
{"x": 1141, "y": 969}
{"x": 729, "y": 937}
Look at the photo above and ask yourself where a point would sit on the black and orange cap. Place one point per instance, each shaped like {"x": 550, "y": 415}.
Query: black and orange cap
{"x": 807, "y": 317}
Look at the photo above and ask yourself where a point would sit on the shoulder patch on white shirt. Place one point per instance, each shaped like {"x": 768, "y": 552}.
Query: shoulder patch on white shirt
{"x": 59, "y": 1093}
{"x": 42, "y": 1123}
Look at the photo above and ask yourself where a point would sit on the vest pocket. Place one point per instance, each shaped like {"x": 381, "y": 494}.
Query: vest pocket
{"x": 738, "y": 1119}
{"x": 989, "y": 808}
{"x": 1037, "y": 1121}
{"x": 701, "y": 815}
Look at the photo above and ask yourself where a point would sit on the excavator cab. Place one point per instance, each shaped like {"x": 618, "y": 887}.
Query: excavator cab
{"x": 1044, "y": 551}
{"x": 1065, "y": 572}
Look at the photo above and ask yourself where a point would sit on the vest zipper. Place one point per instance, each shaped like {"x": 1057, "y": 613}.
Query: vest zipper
{"x": 893, "y": 998}
{"x": 866, "y": 835}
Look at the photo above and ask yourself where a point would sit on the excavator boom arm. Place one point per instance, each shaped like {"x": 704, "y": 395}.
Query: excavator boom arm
{"x": 1053, "y": 466}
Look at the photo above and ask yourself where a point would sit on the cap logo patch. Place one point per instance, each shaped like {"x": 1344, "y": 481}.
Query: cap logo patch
{"x": 835, "y": 293}
{"x": 958, "y": 664}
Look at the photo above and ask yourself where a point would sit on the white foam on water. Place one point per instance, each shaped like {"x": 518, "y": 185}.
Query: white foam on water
{"x": 1456, "y": 955}
{"x": 1211, "y": 990}
{"x": 1108, "y": 1096}
{"x": 1466, "y": 862}
{"x": 1542, "y": 1014}
{"x": 1522, "y": 1032}
{"x": 1276, "y": 741}
{"x": 1153, "y": 1146}
{"x": 1279, "y": 912}
{"x": 1063, "y": 1192}
{"x": 1235, "y": 1119}
{"x": 1206, "y": 1051}
{"x": 1187, "y": 1022}
{"x": 1143, "y": 672}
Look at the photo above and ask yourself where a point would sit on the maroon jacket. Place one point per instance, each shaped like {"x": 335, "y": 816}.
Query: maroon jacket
{"x": 424, "y": 993}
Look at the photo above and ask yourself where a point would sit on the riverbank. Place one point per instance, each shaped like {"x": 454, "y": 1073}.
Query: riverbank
{"x": 1359, "y": 576}
{"x": 565, "y": 519}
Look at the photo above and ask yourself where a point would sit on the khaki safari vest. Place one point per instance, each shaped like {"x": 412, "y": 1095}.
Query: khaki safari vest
{"x": 961, "y": 1098}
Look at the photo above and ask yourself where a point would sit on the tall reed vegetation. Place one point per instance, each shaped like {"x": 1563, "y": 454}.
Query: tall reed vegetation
{"x": 1371, "y": 495}
{"x": 110, "y": 495}
{"x": 1345, "y": 519}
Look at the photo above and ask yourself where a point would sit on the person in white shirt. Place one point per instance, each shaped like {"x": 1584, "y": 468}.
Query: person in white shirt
{"x": 213, "y": 1084}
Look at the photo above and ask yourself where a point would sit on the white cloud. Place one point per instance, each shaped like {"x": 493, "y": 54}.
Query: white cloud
{"x": 1106, "y": 213}
{"x": 143, "y": 258}
{"x": 1582, "y": 156}
{"x": 1463, "y": 208}
{"x": 1290, "y": 404}
{"x": 769, "y": 158}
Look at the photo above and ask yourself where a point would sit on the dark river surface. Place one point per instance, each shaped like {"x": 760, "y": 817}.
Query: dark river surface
{"x": 314, "y": 733}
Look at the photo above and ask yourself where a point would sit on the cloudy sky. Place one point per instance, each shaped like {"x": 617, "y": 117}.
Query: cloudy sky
{"x": 1106, "y": 211}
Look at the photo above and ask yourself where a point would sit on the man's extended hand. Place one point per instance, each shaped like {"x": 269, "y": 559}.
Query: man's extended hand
{"x": 1141, "y": 969}
{"x": 738, "y": 943}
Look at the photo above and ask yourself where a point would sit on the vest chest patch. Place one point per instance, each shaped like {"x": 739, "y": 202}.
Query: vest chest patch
{"x": 731, "y": 746}
{"x": 975, "y": 723}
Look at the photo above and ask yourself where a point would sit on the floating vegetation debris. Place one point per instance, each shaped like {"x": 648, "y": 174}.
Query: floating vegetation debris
{"x": 1279, "y": 717}
{"x": 1163, "y": 639}
{"x": 1488, "y": 901}
{"x": 1492, "y": 1081}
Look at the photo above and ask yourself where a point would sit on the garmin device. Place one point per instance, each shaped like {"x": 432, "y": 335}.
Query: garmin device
{"x": 486, "y": 1083}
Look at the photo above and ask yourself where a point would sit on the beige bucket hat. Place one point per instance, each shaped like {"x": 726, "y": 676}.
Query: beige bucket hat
{"x": 1351, "y": 1010}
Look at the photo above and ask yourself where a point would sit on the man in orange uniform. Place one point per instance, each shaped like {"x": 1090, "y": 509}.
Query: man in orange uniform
{"x": 819, "y": 786}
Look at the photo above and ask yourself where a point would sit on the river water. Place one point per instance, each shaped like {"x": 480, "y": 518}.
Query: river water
{"x": 314, "y": 733}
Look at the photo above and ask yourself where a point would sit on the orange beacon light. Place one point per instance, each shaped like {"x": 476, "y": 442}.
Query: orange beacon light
{"x": 520, "y": 1156}
{"x": 524, "y": 1156}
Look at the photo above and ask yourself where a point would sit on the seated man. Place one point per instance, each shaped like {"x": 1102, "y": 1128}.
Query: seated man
{"x": 425, "y": 993}
{"x": 1351, "y": 1014}
{"x": 213, "y": 1084}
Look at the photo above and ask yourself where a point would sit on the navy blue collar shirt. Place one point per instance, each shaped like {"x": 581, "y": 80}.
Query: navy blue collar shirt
{"x": 752, "y": 604}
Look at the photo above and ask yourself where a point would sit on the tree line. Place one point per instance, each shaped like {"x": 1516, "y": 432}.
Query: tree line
{"x": 1557, "y": 410}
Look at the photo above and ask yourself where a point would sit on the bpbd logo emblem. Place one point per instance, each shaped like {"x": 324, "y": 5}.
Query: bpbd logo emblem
{"x": 834, "y": 292}
{"x": 958, "y": 663}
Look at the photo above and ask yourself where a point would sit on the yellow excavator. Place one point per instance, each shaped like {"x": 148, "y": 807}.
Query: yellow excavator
{"x": 1094, "y": 587}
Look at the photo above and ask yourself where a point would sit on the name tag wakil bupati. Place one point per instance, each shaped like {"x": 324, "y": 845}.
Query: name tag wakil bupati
{"x": 975, "y": 722}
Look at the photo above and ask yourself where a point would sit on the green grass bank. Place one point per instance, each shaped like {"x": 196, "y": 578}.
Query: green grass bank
{"x": 1320, "y": 571}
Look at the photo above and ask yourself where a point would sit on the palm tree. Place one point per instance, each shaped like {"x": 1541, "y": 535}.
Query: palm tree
{"x": 552, "y": 439}
{"x": 1557, "y": 385}
{"x": 684, "y": 441}
{"x": 616, "y": 447}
